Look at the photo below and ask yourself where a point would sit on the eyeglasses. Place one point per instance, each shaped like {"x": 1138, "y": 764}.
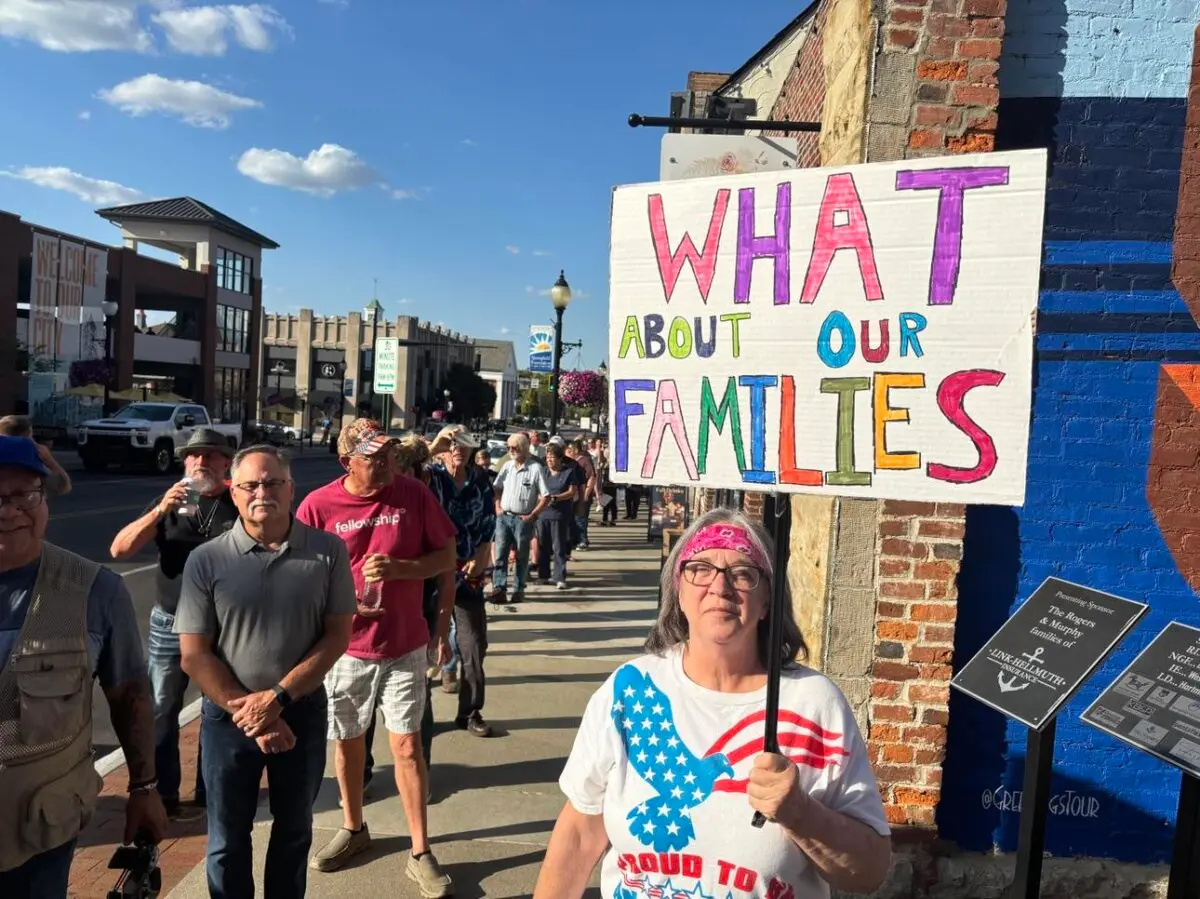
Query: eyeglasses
{"x": 514, "y": 449}
{"x": 25, "y": 500}
{"x": 270, "y": 485}
{"x": 741, "y": 577}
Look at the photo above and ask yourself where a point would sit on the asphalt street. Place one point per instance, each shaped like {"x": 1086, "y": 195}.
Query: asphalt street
{"x": 86, "y": 520}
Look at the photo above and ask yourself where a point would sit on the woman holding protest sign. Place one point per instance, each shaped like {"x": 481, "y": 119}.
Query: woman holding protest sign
{"x": 668, "y": 765}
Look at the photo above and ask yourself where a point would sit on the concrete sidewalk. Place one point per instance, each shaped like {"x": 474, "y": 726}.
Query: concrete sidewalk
{"x": 495, "y": 800}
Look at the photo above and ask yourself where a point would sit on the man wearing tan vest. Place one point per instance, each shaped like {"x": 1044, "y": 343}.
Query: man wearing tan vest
{"x": 63, "y": 621}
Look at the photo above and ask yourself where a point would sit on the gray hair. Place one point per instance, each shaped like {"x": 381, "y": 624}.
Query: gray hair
{"x": 520, "y": 440}
{"x": 671, "y": 628}
{"x": 261, "y": 449}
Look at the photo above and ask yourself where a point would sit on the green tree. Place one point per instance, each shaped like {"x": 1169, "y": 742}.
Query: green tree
{"x": 473, "y": 396}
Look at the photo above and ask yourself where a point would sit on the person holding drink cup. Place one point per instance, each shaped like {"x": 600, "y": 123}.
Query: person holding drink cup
{"x": 397, "y": 536}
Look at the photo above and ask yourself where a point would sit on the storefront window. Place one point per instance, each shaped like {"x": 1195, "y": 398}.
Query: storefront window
{"x": 229, "y": 394}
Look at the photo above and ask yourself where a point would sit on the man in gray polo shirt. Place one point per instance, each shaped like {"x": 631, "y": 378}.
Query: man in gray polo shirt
{"x": 264, "y": 611}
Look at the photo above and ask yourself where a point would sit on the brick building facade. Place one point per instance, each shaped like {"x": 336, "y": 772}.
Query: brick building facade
{"x": 893, "y": 596}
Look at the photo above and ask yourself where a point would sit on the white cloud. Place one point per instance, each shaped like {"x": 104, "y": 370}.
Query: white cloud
{"x": 530, "y": 289}
{"x": 323, "y": 172}
{"x": 91, "y": 190}
{"x": 505, "y": 330}
{"x": 208, "y": 30}
{"x": 542, "y": 253}
{"x": 467, "y": 142}
{"x": 85, "y": 114}
{"x": 404, "y": 301}
{"x": 512, "y": 249}
{"x": 404, "y": 193}
{"x": 76, "y": 26}
{"x": 194, "y": 102}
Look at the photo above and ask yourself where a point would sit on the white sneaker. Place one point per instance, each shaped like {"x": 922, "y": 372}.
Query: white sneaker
{"x": 562, "y": 585}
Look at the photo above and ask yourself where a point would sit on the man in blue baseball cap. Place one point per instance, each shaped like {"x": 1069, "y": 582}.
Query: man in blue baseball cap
{"x": 64, "y": 620}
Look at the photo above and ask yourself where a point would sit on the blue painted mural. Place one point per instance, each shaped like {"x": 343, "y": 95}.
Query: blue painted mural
{"x": 1103, "y": 85}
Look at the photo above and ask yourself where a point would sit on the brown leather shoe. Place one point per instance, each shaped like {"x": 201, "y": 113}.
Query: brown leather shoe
{"x": 449, "y": 682}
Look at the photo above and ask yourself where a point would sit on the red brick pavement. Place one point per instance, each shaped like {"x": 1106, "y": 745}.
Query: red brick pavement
{"x": 179, "y": 853}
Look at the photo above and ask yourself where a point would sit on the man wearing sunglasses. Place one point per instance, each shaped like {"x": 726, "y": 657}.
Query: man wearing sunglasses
{"x": 63, "y": 621}
{"x": 398, "y": 536}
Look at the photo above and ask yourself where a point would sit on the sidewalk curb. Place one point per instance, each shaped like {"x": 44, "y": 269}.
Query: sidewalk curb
{"x": 106, "y": 765}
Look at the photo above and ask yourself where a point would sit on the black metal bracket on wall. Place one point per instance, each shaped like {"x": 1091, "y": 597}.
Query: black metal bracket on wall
{"x": 738, "y": 125}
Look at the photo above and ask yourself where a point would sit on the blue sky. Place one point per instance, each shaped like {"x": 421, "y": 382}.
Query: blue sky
{"x": 469, "y": 148}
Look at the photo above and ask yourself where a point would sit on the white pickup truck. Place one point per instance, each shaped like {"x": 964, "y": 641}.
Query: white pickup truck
{"x": 147, "y": 433}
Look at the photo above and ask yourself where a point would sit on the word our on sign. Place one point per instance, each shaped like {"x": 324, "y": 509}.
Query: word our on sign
{"x": 1154, "y": 704}
{"x": 864, "y": 331}
{"x": 1046, "y": 650}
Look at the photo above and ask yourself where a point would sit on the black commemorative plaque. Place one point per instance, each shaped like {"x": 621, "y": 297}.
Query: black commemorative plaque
{"x": 1154, "y": 704}
{"x": 1046, "y": 650}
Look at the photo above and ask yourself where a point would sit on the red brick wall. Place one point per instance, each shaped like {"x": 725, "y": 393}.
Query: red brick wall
{"x": 956, "y": 44}
{"x": 802, "y": 98}
{"x": 919, "y": 548}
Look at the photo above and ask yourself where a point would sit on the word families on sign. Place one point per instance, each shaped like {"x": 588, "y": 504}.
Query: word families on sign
{"x": 864, "y": 331}
{"x": 1046, "y": 650}
{"x": 1154, "y": 704}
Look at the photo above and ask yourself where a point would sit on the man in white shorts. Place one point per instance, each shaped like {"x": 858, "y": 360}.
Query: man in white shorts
{"x": 397, "y": 536}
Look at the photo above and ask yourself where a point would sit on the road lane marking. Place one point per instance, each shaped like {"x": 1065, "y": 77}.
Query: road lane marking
{"x": 150, "y": 567}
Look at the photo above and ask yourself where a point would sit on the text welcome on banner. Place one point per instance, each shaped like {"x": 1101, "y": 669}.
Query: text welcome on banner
{"x": 864, "y": 331}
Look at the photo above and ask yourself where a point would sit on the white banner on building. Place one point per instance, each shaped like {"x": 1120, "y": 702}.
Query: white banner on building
{"x": 43, "y": 287}
{"x": 862, "y": 331}
{"x": 95, "y": 278}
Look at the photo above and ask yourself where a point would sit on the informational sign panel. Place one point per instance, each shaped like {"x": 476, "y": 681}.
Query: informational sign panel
{"x": 865, "y": 331}
{"x": 1046, "y": 650}
{"x": 387, "y": 356}
{"x": 541, "y": 348}
{"x": 668, "y": 510}
{"x": 1154, "y": 705}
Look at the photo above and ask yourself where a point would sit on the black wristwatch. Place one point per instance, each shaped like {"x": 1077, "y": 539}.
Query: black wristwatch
{"x": 282, "y": 696}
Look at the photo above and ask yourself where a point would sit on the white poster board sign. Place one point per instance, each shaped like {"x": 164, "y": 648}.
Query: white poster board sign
{"x": 862, "y": 331}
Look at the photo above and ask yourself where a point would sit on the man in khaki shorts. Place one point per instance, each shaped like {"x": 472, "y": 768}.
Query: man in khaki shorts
{"x": 397, "y": 536}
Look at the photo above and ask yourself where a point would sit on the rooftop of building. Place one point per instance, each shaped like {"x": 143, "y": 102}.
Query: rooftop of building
{"x": 494, "y": 354}
{"x": 185, "y": 210}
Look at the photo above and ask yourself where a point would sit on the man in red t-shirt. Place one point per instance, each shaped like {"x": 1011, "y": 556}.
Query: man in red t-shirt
{"x": 398, "y": 535}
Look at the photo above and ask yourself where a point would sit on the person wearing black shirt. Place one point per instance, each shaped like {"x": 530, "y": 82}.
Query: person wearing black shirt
{"x": 206, "y": 457}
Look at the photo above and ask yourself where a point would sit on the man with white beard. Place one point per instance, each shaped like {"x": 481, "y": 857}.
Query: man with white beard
{"x": 206, "y": 457}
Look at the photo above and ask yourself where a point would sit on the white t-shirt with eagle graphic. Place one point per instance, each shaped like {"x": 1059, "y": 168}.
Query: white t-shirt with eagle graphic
{"x": 666, "y": 762}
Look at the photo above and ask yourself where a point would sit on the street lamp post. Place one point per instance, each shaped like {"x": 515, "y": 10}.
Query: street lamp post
{"x": 560, "y": 296}
{"x": 341, "y": 402}
{"x": 109, "y": 308}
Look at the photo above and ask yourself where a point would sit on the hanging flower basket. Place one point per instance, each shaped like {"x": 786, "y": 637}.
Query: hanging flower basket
{"x": 582, "y": 388}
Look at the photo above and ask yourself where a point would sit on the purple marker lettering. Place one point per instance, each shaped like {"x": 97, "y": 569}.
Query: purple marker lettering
{"x": 750, "y": 246}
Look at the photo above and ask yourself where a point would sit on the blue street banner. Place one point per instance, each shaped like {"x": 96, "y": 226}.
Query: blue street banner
{"x": 541, "y": 348}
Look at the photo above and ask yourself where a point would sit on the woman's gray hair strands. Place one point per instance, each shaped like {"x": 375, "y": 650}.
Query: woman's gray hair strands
{"x": 671, "y": 627}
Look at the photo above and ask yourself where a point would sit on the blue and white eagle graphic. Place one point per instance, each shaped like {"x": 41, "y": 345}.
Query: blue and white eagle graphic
{"x": 642, "y": 714}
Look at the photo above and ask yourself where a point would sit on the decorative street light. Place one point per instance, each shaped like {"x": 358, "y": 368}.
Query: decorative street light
{"x": 109, "y": 308}
{"x": 560, "y": 296}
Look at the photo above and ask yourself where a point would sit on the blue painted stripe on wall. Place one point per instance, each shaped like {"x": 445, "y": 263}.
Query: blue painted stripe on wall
{"x": 1106, "y": 252}
{"x": 1153, "y": 302}
{"x": 1122, "y": 342}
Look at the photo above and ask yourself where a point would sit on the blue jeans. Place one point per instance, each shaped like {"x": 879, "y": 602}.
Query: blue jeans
{"x": 511, "y": 531}
{"x": 233, "y": 768}
{"x": 168, "y": 684}
{"x": 581, "y": 523}
{"x": 451, "y": 667}
{"x": 45, "y": 876}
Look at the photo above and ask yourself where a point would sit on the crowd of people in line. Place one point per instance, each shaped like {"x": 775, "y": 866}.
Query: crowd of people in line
{"x": 303, "y": 626}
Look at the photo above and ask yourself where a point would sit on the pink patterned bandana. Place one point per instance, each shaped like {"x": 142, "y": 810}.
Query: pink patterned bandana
{"x": 723, "y": 536}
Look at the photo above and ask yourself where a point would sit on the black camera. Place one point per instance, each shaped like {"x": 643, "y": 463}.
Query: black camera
{"x": 140, "y": 875}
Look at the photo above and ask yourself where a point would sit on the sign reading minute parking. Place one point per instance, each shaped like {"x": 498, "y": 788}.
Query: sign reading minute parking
{"x": 1046, "y": 650}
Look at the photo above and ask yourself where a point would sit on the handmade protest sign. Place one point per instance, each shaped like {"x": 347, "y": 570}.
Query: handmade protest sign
{"x": 864, "y": 331}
